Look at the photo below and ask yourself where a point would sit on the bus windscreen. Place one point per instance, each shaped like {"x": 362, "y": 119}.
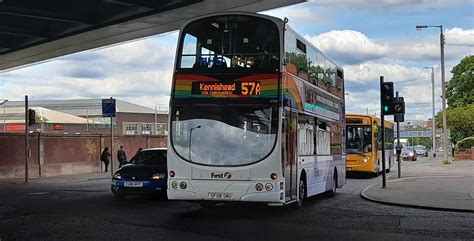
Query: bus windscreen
{"x": 235, "y": 43}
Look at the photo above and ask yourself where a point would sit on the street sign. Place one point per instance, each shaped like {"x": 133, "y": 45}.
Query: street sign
{"x": 108, "y": 108}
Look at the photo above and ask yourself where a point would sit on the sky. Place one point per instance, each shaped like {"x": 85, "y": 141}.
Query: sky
{"x": 367, "y": 38}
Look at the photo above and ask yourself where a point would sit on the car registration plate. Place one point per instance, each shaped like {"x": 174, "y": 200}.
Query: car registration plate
{"x": 221, "y": 195}
{"x": 133, "y": 184}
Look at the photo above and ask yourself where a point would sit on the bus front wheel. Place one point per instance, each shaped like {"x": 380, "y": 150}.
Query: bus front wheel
{"x": 376, "y": 173}
{"x": 302, "y": 192}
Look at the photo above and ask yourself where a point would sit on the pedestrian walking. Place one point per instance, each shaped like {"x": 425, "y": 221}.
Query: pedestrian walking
{"x": 121, "y": 156}
{"x": 105, "y": 158}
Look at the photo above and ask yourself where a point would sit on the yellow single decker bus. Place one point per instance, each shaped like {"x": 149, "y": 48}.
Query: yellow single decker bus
{"x": 363, "y": 133}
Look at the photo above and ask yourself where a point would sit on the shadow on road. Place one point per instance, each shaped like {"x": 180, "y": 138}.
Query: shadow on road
{"x": 360, "y": 175}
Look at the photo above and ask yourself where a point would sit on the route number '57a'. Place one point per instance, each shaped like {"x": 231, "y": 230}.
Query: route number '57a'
{"x": 250, "y": 88}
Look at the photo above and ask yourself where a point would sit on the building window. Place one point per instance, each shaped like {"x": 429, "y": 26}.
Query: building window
{"x": 161, "y": 129}
{"x": 146, "y": 128}
{"x": 131, "y": 128}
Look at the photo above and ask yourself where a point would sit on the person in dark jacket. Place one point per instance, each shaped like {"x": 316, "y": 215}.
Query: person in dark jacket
{"x": 105, "y": 158}
{"x": 121, "y": 156}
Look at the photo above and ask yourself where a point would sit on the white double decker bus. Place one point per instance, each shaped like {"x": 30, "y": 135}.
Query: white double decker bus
{"x": 256, "y": 114}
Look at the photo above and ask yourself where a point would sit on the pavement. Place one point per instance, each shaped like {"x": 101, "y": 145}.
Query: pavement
{"x": 429, "y": 184}
{"x": 65, "y": 179}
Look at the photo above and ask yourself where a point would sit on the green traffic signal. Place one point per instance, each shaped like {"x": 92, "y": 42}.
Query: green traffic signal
{"x": 385, "y": 108}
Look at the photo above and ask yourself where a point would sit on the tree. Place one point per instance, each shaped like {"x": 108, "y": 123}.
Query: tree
{"x": 459, "y": 90}
{"x": 460, "y": 120}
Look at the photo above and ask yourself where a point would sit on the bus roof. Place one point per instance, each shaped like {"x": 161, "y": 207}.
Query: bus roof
{"x": 366, "y": 119}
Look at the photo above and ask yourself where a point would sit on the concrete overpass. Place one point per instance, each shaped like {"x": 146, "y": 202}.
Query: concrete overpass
{"x": 32, "y": 31}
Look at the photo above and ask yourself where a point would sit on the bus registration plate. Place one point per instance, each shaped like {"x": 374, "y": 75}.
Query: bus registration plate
{"x": 133, "y": 184}
{"x": 220, "y": 195}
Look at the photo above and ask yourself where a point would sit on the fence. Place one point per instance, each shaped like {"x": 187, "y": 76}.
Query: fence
{"x": 53, "y": 154}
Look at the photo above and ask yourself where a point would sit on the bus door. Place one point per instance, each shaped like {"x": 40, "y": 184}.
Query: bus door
{"x": 289, "y": 154}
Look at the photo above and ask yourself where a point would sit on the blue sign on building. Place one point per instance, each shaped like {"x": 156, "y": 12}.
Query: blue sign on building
{"x": 108, "y": 108}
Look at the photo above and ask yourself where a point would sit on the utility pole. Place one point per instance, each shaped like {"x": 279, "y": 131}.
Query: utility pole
{"x": 26, "y": 139}
{"x": 4, "y": 116}
{"x": 382, "y": 129}
{"x": 398, "y": 148}
{"x": 433, "y": 145}
{"x": 443, "y": 86}
{"x": 443, "y": 94}
{"x": 156, "y": 120}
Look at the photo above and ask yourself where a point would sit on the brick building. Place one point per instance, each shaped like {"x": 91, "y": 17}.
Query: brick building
{"x": 84, "y": 116}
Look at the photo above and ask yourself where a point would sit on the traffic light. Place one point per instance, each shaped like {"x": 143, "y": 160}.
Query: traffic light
{"x": 386, "y": 98}
{"x": 31, "y": 117}
{"x": 399, "y": 109}
{"x": 399, "y": 105}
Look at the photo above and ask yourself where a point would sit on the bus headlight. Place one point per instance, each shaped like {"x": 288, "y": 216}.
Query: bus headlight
{"x": 268, "y": 186}
{"x": 273, "y": 176}
{"x": 259, "y": 187}
{"x": 174, "y": 185}
{"x": 365, "y": 160}
{"x": 183, "y": 185}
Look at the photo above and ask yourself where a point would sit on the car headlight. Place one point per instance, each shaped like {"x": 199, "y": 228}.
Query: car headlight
{"x": 157, "y": 176}
{"x": 117, "y": 176}
{"x": 410, "y": 154}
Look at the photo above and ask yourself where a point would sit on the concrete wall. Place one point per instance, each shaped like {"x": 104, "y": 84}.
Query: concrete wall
{"x": 52, "y": 154}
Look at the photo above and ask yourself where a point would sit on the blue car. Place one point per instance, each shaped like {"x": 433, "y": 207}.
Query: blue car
{"x": 144, "y": 174}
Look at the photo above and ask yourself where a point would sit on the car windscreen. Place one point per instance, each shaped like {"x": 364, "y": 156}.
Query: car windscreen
{"x": 152, "y": 157}
{"x": 407, "y": 149}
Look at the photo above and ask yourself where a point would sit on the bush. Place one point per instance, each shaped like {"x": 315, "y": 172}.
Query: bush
{"x": 465, "y": 144}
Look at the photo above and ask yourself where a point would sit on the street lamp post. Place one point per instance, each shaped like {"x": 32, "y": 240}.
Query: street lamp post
{"x": 433, "y": 109}
{"x": 156, "y": 118}
{"x": 443, "y": 84}
{"x": 4, "y": 102}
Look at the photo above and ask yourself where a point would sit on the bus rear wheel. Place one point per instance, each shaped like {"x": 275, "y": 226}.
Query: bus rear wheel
{"x": 333, "y": 191}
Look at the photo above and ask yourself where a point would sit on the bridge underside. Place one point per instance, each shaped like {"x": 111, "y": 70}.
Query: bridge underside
{"x": 32, "y": 31}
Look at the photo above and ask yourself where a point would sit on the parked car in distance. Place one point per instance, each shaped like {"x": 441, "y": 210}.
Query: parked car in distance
{"x": 144, "y": 174}
{"x": 408, "y": 153}
{"x": 421, "y": 150}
